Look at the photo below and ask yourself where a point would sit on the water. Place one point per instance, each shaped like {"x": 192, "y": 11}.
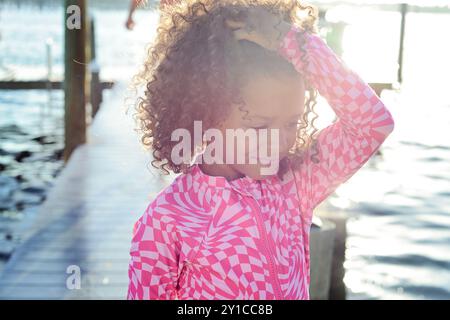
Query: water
{"x": 399, "y": 204}
{"x": 400, "y": 231}
{"x": 32, "y": 121}
{"x": 399, "y": 207}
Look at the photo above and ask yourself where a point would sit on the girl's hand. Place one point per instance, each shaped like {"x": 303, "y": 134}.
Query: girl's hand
{"x": 261, "y": 27}
{"x": 130, "y": 23}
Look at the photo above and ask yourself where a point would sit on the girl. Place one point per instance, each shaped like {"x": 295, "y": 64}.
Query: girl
{"x": 224, "y": 230}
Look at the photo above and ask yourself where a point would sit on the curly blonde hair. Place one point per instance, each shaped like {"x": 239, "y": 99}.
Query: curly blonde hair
{"x": 195, "y": 68}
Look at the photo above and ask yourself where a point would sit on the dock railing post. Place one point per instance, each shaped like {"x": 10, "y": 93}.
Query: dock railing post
{"x": 96, "y": 88}
{"x": 404, "y": 10}
{"x": 75, "y": 74}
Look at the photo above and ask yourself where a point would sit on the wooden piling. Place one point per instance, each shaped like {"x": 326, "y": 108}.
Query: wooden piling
{"x": 322, "y": 238}
{"x": 96, "y": 90}
{"x": 337, "y": 288}
{"x": 76, "y": 79}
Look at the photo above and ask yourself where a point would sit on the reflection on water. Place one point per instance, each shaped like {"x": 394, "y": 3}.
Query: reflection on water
{"x": 399, "y": 207}
{"x": 31, "y": 143}
{"x": 399, "y": 203}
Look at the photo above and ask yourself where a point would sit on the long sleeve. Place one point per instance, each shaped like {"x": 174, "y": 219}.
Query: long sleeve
{"x": 363, "y": 122}
{"x": 153, "y": 267}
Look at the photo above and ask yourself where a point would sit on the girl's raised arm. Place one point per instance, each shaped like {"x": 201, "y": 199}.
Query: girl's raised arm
{"x": 363, "y": 121}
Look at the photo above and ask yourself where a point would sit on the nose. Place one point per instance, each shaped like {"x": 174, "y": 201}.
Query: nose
{"x": 285, "y": 140}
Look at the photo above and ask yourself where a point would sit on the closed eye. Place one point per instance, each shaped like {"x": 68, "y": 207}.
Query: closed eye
{"x": 260, "y": 127}
{"x": 293, "y": 124}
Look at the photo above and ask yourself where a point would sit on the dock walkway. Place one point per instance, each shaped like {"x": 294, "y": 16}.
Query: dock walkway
{"x": 87, "y": 218}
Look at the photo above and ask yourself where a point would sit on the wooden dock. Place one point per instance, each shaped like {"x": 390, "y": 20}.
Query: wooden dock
{"x": 88, "y": 216}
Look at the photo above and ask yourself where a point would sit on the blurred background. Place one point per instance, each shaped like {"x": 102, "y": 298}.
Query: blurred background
{"x": 398, "y": 205}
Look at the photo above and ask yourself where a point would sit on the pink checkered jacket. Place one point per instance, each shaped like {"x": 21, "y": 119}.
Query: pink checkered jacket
{"x": 204, "y": 237}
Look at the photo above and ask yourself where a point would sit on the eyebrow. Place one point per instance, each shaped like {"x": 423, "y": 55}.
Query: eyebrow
{"x": 297, "y": 115}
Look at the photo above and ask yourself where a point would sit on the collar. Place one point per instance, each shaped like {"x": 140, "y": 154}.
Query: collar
{"x": 244, "y": 185}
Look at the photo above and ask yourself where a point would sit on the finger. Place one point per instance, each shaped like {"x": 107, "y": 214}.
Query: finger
{"x": 242, "y": 34}
{"x": 235, "y": 24}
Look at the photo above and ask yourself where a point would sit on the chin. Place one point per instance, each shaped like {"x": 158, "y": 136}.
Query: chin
{"x": 258, "y": 173}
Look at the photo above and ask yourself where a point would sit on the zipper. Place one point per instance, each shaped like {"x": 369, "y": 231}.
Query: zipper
{"x": 277, "y": 286}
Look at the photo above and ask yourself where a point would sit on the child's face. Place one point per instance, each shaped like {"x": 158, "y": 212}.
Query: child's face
{"x": 272, "y": 103}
